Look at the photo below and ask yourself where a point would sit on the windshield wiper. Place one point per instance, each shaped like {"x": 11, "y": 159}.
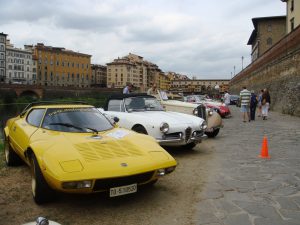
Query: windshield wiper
{"x": 92, "y": 129}
{"x": 74, "y": 126}
{"x": 67, "y": 125}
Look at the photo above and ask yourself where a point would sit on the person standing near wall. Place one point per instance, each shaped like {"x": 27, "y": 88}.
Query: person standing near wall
{"x": 265, "y": 102}
{"x": 259, "y": 102}
{"x": 245, "y": 103}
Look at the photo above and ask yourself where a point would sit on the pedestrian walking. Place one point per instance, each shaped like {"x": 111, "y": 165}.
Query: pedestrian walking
{"x": 259, "y": 102}
{"x": 253, "y": 104}
{"x": 245, "y": 103}
{"x": 128, "y": 88}
{"x": 227, "y": 98}
{"x": 265, "y": 102}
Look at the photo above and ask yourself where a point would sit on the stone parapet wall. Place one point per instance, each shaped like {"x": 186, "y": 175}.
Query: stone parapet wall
{"x": 279, "y": 71}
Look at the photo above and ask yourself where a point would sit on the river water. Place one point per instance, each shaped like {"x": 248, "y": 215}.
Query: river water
{"x": 8, "y": 111}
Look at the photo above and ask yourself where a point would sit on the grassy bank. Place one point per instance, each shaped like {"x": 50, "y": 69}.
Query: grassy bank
{"x": 1, "y": 154}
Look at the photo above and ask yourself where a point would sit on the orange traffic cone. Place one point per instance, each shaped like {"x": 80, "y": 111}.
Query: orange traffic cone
{"x": 264, "y": 149}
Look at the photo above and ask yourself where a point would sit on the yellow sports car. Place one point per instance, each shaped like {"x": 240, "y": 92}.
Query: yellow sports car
{"x": 74, "y": 148}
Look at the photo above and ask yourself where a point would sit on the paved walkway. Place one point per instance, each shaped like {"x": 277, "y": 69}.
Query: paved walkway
{"x": 243, "y": 189}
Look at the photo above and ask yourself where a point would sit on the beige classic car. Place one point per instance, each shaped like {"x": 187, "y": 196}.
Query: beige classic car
{"x": 214, "y": 120}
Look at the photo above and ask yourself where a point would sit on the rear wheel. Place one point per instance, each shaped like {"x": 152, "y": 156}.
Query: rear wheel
{"x": 11, "y": 158}
{"x": 213, "y": 134}
{"x": 40, "y": 190}
{"x": 139, "y": 129}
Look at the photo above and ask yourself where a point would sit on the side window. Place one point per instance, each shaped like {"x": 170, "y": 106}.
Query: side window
{"x": 35, "y": 117}
{"x": 114, "y": 105}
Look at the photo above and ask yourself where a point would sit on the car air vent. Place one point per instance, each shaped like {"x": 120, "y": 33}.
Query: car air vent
{"x": 94, "y": 151}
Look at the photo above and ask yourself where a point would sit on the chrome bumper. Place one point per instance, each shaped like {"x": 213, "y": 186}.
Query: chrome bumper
{"x": 181, "y": 139}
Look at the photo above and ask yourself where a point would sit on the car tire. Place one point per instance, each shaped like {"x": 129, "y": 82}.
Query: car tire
{"x": 190, "y": 145}
{"x": 139, "y": 129}
{"x": 11, "y": 158}
{"x": 213, "y": 134}
{"x": 151, "y": 183}
{"x": 41, "y": 192}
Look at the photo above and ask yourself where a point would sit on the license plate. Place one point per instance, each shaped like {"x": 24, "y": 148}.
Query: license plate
{"x": 122, "y": 190}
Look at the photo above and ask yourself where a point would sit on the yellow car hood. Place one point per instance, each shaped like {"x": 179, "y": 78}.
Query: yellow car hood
{"x": 117, "y": 152}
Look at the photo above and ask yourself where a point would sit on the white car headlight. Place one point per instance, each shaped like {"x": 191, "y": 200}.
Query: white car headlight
{"x": 195, "y": 111}
{"x": 164, "y": 127}
{"x": 203, "y": 126}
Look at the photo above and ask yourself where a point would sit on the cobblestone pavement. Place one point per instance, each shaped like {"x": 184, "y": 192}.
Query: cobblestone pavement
{"x": 243, "y": 189}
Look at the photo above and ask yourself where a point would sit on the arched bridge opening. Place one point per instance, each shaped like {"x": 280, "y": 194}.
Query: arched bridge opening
{"x": 29, "y": 94}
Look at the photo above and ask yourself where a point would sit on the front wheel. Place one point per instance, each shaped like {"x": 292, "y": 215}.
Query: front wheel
{"x": 190, "y": 145}
{"x": 139, "y": 129}
{"x": 40, "y": 190}
{"x": 11, "y": 158}
{"x": 213, "y": 134}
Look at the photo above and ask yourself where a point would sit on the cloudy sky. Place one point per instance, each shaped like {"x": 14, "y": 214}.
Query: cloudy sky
{"x": 198, "y": 38}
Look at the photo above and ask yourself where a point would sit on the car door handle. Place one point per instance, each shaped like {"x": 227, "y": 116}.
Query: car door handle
{"x": 14, "y": 128}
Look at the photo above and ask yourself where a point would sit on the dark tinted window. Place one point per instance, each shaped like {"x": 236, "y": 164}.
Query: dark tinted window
{"x": 80, "y": 120}
{"x": 35, "y": 117}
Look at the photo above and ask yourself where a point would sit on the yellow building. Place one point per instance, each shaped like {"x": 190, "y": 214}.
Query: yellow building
{"x": 293, "y": 14}
{"x": 62, "y": 67}
{"x": 162, "y": 81}
{"x": 199, "y": 86}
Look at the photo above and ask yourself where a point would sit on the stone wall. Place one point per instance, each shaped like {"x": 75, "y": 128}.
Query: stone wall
{"x": 279, "y": 71}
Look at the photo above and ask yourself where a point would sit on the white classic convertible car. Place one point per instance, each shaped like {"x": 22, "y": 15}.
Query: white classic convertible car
{"x": 144, "y": 114}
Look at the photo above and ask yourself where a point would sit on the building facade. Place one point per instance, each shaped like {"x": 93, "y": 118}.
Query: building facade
{"x": 176, "y": 76}
{"x": 99, "y": 76}
{"x": 20, "y": 65}
{"x": 293, "y": 14}
{"x": 2, "y": 57}
{"x": 131, "y": 69}
{"x": 267, "y": 32}
{"x": 61, "y": 67}
{"x": 200, "y": 86}
{"x": 162, "y": 81}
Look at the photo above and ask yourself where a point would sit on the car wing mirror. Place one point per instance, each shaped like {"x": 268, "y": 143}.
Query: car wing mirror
{"x": 116, "y": 119}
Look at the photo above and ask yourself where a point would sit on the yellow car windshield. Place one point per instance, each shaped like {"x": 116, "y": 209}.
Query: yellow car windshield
{"x": 82, "y": 120}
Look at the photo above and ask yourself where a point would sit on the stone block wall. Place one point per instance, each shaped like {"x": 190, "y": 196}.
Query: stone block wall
{"x": 279, "y": 71}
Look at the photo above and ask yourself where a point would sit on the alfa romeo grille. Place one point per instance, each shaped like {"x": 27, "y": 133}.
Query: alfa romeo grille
{"x": 188, "y": 132}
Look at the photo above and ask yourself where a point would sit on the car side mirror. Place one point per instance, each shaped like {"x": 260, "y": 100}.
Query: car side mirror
{"x": 116, "y": 119}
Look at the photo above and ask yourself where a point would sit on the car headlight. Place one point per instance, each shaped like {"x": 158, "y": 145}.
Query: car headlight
{"x": 77, "y": 184}
{"x": 195, "y": 111}
{"x": 203, "y": 126}
{"x": 164, "y": 127}
{"x": 210, "y": 112}
{"x": 161, "y": 172}
{"x": 170, "y": 169}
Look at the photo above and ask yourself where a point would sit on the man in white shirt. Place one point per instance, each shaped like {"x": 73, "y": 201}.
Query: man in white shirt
{"x": 245, "y": 103}
{"x": 227, "y": 98}
{"x": 127, "y": 89}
